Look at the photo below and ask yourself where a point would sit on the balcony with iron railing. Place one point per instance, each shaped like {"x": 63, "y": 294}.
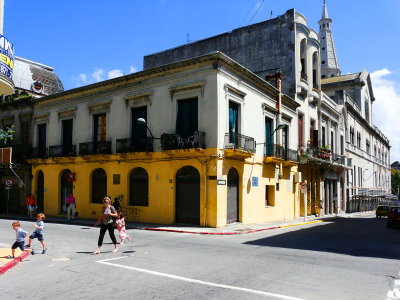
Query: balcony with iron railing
{"x": 173, "y": 141}
{"x": 134, "y": 145}
{"x": 92, "y": 148}
{"x": 39, "y": 152}
{"x": 327, "y": 155}
{"x": 239, "y": 145}
{"x": 62, "y": 151}
{"x": 272, "y": 151}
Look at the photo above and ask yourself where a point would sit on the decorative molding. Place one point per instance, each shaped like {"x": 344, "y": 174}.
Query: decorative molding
{"x": 139, "y": 97}
{"x": 268, "y": 108}
{"x": 100, "y": 107}
{"x": 287, "y": 118}
{"x": 42, "y": 118}
{"x": 232, "y": 90}
{"x": 187, "y": 87}
{"x": 67, "y": 113}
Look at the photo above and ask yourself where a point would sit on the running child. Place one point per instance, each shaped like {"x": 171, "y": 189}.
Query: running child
{"x": 121, "y": 228}
{"x": 20, "y": 239}
{"x": 38, "y": 233}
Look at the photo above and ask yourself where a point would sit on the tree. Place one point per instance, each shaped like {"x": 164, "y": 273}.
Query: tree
{"x": 7, "y": 134}
{"x": 395, "y": 180}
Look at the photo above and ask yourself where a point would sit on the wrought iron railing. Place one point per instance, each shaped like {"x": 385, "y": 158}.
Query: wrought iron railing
{"x": 272, "y": 150}
{"x": 340, "y": 159}
{"x": 40, "y": 152}
{"x": 292, "y": 155}
{"x": 239, "y": 142}
{"x": 62, "y": 151}
{"x": 91, "y": 148}
{"x": 172, "y": 141}
{"x": 134, "y": 145}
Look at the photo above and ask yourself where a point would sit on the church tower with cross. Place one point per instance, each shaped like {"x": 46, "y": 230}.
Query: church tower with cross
{"x": 329, "y": 61}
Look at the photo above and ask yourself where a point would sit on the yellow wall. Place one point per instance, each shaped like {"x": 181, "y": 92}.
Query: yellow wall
{"x": 162, "y": 168}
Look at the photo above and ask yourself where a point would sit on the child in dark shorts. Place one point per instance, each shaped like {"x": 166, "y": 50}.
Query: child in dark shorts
{"x": 38, "y": 233}
{"x": 20, "y": 239}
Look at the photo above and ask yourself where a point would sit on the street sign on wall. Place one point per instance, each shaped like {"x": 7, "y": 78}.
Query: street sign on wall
{"x": 6, "y": 57}
{"x": 8, "y": 182}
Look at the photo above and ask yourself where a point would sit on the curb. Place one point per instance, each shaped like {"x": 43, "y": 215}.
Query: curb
{"x": 232, "y": 232}
{"x": 13, "y": 263}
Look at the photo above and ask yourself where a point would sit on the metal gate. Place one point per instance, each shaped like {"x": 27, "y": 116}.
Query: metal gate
{"x": 187, "y": 203}
{"x": 232, "y": 214}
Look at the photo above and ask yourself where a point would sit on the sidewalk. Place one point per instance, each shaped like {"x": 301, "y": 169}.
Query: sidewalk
{"x": 6, "y": 261}
{"x": 231, "y": 229}
{"x": 235, "y": 228}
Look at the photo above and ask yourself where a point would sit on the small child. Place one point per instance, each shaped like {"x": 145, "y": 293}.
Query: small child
{"x": 121, "y": 228}
{"x": 20, "y": 239}
{"x": 38, "y": 233}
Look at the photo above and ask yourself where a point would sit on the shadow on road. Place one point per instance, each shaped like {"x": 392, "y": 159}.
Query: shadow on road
{"x": 350, "y": 236}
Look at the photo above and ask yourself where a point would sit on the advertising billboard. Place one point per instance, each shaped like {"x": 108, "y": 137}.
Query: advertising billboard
{"x": 6, "y": 57}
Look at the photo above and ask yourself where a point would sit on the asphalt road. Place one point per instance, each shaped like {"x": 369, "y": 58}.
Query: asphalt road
{"x": 352, "y": 258}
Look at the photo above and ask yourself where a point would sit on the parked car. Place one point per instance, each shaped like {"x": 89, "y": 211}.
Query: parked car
{"x": 382, "y": 211}
{"x": 393, "y": 216}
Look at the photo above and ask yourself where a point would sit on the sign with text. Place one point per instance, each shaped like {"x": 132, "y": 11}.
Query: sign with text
{"x": 6, "y": 57}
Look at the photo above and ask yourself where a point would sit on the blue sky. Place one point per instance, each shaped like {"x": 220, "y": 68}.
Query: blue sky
{"x": 86, "y": 41}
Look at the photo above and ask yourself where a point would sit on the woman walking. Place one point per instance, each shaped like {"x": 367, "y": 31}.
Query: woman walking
{"x": 107, "y": 213}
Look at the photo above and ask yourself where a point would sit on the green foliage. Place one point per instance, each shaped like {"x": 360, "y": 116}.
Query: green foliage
{"x": 395, "y": 180}
{"x": 7, "y": 134}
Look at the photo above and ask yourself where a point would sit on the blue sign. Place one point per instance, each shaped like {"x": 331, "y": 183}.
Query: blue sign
{"x": 6, "y": 57}
{"x": 254, "y": 181}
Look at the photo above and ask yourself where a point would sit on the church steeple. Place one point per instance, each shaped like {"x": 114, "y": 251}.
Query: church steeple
{"x": 329, "y": 61}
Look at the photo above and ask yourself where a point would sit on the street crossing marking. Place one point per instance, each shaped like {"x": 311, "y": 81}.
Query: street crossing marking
{"x": 224, "y": 286}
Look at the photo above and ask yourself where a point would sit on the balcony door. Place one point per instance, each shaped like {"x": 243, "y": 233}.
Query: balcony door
{"x": 139, "y": 130}
{"x": 233, "y": 122}
{"x": 100, "y": 128}
{"x": 300, "y": 128}
{"x": 67, "y": 136}
{"x": 41, "y": 141}
{"x": 187, "y": 117}
{"x": 268, "y": 136}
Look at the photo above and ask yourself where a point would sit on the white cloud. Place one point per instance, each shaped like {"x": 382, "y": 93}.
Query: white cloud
{"x": 99, "y": 74}
{"x": 132, "y": 69}
{"x": 386, "y": 109}
{"x": 115, "y": 73}
{"x": 83, "y": 77}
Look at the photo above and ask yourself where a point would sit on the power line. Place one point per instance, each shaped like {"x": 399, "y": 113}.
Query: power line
{"x": 248, "y": 13}
{"x": 256, "y": 11}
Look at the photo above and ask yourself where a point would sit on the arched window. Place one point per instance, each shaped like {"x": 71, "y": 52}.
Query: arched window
{"x": 139, "y": 188}
{"x": 99, "y": 185}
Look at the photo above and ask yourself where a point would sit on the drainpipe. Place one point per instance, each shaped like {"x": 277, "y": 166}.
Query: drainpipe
{"x": 279, "y": 77}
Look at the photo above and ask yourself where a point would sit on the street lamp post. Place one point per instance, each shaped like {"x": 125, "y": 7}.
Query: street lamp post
{"x": 143, "y": 121}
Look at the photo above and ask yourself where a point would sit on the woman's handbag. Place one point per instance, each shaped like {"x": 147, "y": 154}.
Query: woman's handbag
{"x": 66, "y": 205}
